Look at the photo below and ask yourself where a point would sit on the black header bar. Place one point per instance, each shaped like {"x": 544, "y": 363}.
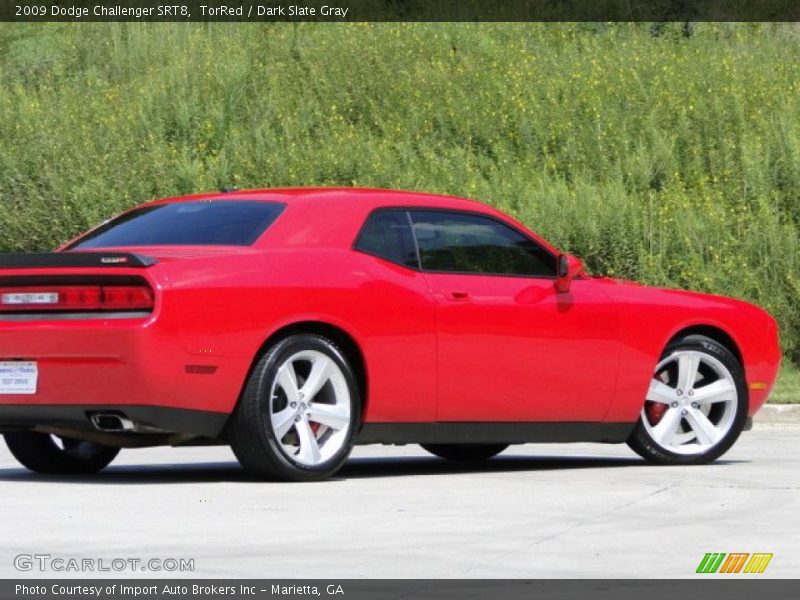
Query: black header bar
{"x": 399, "y": 10}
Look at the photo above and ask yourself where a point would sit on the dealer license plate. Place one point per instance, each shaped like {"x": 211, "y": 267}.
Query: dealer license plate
{"x": 18, "y": 377}
{"x": 30, "y": 298}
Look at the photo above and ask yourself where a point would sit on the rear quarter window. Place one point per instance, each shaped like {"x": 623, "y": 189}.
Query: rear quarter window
{"x": 387, "y": 235}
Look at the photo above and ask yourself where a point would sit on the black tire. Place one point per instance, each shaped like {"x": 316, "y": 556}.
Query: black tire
{"x": 250, "y": 429}
{"x": 465, "y": 452}
{"x": 39, "y": 452}
{"x": 641, "y": 442}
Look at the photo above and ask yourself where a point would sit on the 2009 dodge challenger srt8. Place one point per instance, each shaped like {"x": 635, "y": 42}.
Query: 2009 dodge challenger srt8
{"x": 295, "y": 323}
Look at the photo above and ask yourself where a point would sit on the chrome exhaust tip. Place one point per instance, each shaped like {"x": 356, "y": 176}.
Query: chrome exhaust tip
{"x": 111, "y": 422}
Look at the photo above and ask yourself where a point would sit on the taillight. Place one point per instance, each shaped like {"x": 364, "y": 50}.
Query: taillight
{"x": 126, "y": 297}
{"x": 76, "y": 298}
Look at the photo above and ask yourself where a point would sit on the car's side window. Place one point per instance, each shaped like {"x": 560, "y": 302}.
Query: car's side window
{"x": 387, "y": 234}
{"x": 456, "y": 242}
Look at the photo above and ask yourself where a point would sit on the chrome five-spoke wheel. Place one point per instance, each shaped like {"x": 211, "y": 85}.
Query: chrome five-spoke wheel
{"x": 695, "y": 405}
{"x": 691, "y": 402}
{"x": 299, "y": 413}
{"x": 310, "y": 412}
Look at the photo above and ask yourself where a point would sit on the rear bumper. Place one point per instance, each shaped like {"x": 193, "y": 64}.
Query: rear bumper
{"x": 77, "y": 418}
{"x": 113, "y": 363}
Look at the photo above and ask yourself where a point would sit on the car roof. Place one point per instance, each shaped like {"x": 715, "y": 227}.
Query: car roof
{"x": 370, "y": 197}
{"x": 343, "y": 211}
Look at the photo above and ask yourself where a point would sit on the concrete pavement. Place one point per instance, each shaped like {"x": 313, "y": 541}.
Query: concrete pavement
{"x": 779, "y": 414}
{"x": 579, "y": 510}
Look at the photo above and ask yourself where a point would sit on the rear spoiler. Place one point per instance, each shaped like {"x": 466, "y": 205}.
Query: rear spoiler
{"x": 35, "y": 260}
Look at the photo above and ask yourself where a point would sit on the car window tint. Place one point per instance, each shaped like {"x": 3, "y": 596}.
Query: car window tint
{"x": 387, "y": 234}
{"x": 215, "y": 223}
{"x": 466, "y": 243}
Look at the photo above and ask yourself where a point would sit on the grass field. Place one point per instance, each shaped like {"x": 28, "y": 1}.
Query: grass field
{"x": 787, "y": 388}
{"x": 671, "y": 160}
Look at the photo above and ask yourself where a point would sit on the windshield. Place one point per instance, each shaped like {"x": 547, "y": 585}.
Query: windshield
{"x": 201, "y": 223}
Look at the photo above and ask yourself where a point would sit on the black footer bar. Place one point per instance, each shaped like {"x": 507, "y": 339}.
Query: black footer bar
{"x": 734, "y": 588}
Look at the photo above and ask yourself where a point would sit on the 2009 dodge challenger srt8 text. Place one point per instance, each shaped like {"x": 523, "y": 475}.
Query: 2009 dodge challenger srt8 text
{"x": 295, "y": 323}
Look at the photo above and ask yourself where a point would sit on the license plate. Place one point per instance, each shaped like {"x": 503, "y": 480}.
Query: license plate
{"x": 30, "y": 298}
{"x": 18, "y": 377}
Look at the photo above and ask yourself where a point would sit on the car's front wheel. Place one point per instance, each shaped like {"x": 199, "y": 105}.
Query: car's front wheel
{"x": 53, "y": 455}
{"x": 465, "y": 452}
{"x": 696, "y": 405}
{"x": 299, "y": 413}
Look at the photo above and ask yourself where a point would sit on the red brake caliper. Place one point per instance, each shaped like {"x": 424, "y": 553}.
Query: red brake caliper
{"x": 655, "y": 410}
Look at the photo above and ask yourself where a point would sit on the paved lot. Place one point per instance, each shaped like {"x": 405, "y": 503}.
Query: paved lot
{"x": 537, "y": 511}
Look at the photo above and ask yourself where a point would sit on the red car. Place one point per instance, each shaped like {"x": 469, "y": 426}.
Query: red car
{"x": 295, "y": 323}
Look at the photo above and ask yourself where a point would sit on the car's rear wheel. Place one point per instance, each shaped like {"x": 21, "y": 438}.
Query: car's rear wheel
{"x": 696, "y": 405}
{"x": 299, "y": 413}
{"x": 53, "y": 455}
{"x": 465, "y": 452}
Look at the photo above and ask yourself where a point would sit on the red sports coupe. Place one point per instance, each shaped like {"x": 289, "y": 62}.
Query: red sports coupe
{"x": 295, "y": 323}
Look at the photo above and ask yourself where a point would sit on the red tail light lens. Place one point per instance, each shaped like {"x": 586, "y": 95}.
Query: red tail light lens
{"x": 126, "y": 297}
{"x": 76, "y": 298}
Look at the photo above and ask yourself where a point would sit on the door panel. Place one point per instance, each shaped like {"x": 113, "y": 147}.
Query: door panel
{"x": 398, "y": 318}
{"x": 512, "y": 349}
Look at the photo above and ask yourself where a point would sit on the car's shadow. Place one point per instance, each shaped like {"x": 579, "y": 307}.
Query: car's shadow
{"x": 356, "y": 468}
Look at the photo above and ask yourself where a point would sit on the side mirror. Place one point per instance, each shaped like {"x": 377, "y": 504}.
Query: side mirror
{"x": 568, "y": 268}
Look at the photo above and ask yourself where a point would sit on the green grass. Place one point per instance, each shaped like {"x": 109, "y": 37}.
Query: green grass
{"x": 669, "y": 160}
{"x": 787, "y": 388}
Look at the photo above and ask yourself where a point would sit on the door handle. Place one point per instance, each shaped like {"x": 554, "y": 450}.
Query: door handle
{"x": 459, "y": 295}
